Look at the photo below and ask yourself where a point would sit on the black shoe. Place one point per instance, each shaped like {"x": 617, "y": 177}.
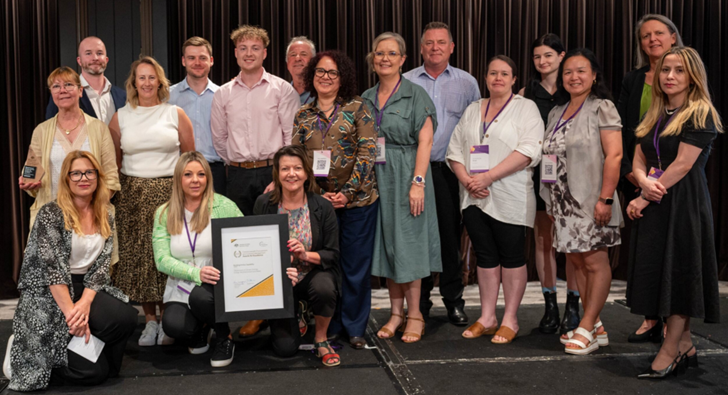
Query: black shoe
{"x": 571, "y": 314}
{"x": 654, "y": 335}
{"x": 678, "y": 366}
{"x": 692, "y": 361}
{"x": 223, "y": 354}
{"x": 550, "y": 320}
{"x": 200, "y": 342}
{"x": 457, "y": 316}
{"x": 357, "y": 342}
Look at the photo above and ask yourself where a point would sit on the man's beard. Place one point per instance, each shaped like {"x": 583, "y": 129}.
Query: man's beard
{"x": 91, "y": 71}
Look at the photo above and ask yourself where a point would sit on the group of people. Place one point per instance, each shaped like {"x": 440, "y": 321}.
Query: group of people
{"x": 380, "y": 184}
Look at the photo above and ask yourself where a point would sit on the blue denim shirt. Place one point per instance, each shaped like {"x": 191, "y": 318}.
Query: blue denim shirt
{"x": 197, "y": 107}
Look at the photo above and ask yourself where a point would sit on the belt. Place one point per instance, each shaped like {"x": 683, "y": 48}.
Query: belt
{"x": 253, "y": 164}
{"x": 438, "y": 164}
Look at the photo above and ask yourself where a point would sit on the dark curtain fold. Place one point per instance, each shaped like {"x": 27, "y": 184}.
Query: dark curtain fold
{"x": 481, "y": 29}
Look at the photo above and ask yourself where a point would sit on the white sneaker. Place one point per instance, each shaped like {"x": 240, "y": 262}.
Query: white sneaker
{"x": 162, "y": 338}
{"x": 149, "y": 334}
{"x": 7, "y": 371}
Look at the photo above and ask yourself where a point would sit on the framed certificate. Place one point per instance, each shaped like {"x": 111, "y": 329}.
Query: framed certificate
{"x": 252, "y": 256}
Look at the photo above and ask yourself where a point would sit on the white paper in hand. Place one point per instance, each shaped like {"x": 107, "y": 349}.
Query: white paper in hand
{"x": 90, "y": 350}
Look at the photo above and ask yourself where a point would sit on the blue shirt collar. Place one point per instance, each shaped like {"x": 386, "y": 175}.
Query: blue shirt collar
{"x": 210, "y": 85}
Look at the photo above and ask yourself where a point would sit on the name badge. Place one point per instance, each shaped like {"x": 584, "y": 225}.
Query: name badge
{"x": 548, "y": 168}
{"x": 321, "y": 163}
{"x": 185, "y": 286}
{"x": 381, "y": 156}
{"x": 479, "y": 159}
{"x": 654, "y": 174}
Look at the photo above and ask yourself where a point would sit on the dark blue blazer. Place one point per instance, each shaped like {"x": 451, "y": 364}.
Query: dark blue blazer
{"x": 117, "y": 94}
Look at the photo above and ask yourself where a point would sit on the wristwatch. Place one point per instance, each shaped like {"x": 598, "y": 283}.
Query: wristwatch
{"x": 418, "y": 180}
{"x": 607, "y": 201}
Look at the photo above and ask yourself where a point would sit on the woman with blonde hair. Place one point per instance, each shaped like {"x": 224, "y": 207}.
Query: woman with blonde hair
{"x": 149, "y": 135}
{"x": 673, "y": 265}
{"x": 182, "y": 241}
{"x": 65, "y": 287}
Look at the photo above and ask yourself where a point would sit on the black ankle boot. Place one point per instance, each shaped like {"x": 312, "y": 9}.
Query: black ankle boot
{"x": 550, "y": 321}
{"x": 571, "y": 313}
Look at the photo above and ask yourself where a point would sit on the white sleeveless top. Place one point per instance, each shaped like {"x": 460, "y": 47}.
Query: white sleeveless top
{"x": 149, "y": 139}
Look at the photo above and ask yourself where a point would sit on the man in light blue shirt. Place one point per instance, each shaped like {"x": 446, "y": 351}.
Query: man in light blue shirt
{"x": 452, "y": 90}
{"x": 298, "y": 53}
{"x": 194, "y": 95}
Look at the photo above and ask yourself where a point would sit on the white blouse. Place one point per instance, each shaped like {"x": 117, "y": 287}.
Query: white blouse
{"x": 149, "y": 140}
{"x": 84, "y": 251}
{"x": 60, "y": 149}
{"x": 179, "y": 246}
{"x": 518, "y": 128}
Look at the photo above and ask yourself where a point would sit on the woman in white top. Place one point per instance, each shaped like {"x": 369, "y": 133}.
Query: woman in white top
{"x": 492, "y": 152}
{"x": 148, "y": 134}
{"x": 183, "y": 250}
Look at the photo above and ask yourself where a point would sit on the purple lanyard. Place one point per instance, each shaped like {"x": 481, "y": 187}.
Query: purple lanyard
{"x": 560, "y": 124}
{"x": 325, "y": 132}
{"x": 192, "y": 244}
{"x": 380, "y": 113}
{"x": 486, "y": 127}
{"x": 656, "y": 141}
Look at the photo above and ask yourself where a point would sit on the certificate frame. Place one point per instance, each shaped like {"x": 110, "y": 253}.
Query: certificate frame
{"x": 276, "y": 301}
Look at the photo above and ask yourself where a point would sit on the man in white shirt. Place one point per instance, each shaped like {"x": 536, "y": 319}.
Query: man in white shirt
{"x": 298, "y": 53}
{"x": 100, "y": 99}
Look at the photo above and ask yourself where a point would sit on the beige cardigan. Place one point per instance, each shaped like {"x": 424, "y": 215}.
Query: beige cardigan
{"x": 102, "y": 147}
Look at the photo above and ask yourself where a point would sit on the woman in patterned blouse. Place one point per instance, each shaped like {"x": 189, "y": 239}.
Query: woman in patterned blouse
{"x": 64, "y": 286}
{"x": 338, "y": 131}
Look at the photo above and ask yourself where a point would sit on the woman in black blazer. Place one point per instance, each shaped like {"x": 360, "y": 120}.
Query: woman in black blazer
{"x": 654, "y": 35}
{"x": 314, "y": 247}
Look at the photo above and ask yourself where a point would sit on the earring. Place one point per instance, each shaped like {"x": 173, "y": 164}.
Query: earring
{"x": 594, "y": 82}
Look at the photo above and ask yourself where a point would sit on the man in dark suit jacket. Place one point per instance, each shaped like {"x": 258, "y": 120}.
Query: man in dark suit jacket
{"x": 99, "y": 99}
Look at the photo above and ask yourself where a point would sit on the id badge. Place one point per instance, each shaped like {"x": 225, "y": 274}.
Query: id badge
{"x": 548, "y": 168}
{"x": 185, "y": 286}
{"x": 654, "y": 174}
{"x": 321, "y": 163}
{"x": 479, "y": 159}
{"x": 381, "y": 156}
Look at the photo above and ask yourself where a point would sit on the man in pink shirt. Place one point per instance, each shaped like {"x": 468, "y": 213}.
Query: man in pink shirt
{"x": 251, "y": 118}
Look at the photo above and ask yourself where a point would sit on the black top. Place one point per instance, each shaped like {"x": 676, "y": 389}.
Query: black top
{"x": 628, "y": 107}
{"x": 324, "y": 230}
{"x": 673, "y": 268}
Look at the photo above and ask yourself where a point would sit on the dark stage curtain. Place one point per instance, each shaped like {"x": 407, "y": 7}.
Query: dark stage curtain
{"x": 481, "y": 29}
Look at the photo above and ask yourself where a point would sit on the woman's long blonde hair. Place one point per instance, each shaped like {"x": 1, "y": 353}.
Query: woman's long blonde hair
{"x": 697, "y": 106}
{"x": 176, "y": 206}
{"x": 100, "y": 200}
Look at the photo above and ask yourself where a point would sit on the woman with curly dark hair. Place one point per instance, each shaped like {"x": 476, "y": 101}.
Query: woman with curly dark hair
{"x": 338, "y": 132}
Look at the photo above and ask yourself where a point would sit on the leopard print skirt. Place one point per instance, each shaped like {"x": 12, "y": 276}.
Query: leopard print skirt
{"x": 135, "y": 273}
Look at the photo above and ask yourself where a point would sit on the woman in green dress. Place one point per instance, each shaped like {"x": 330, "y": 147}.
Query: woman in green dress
{"x": 407, "y": 243}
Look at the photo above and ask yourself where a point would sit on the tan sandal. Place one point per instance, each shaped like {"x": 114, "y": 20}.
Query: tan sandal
{"x": 417, "y": 336}
{"x": 389, "y": 333}
{"x": 478, "y": 330}
{"x": 506, "y": 333}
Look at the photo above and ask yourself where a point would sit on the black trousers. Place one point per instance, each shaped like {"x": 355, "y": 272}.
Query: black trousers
{"x": 183, "y": 322}
{"x": 112, "y": 321}
{"x": 219, "y": 177}
{"x": 447, "y": 203}
{"x": 319, "y": 289}
{"x": 245, "y": 185}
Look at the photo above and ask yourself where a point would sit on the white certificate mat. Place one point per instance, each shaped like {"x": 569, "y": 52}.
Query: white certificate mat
{"x": 251, "y": 266}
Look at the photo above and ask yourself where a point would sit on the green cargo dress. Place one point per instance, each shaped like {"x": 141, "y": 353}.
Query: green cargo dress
{"x": 406, "y": 248}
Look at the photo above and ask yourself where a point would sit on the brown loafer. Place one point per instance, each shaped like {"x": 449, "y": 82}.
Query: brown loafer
{"x": 478, "y": 330}
{"x": 506, "y": 333}
{"x": 251, "y": 328}
{"x": 357, "y": 342}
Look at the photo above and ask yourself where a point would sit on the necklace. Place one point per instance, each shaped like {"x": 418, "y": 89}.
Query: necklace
{"x": 68, "y": 131}
{"x": 328, "y": 109}
{"x": 670, "y": 112}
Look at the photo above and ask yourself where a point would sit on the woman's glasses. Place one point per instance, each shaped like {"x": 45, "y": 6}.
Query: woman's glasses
{"x": 76, "y": 176}
{"x": 333, "y": 74}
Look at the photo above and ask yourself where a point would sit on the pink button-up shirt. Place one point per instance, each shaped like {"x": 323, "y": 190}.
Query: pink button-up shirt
{"x": 252, "y": 123}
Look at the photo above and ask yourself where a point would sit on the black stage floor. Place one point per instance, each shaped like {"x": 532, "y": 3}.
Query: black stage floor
{"x": 443, "y": 362}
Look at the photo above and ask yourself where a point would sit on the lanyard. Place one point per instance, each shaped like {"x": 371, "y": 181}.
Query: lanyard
{"x": 380, "y": 113}
{"x": 560, "y": 124}
{"x": 656, "y": 141}
{"x": 325, "y": 132}
{"x": 485, "y": 128}
{"x": 306, "y": 101}
{"x": 192, "y": 244}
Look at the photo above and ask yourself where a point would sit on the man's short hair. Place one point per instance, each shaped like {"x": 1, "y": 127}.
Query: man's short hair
{"x": 303, "y": 39}
{"x": 197, "y": 42}
{"x": 251, "y": 33}
{"x": 436, "y": 25}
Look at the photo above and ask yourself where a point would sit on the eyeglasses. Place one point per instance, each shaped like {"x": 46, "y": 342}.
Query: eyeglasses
{"x": 333, "y": 74}
{"x": 69, "y": 86}
{"x": 76, "y": 176}
{"x": 390, "y": 54}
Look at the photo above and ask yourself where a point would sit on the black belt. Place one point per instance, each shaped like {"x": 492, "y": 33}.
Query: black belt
{"x": 436, "y": 165}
